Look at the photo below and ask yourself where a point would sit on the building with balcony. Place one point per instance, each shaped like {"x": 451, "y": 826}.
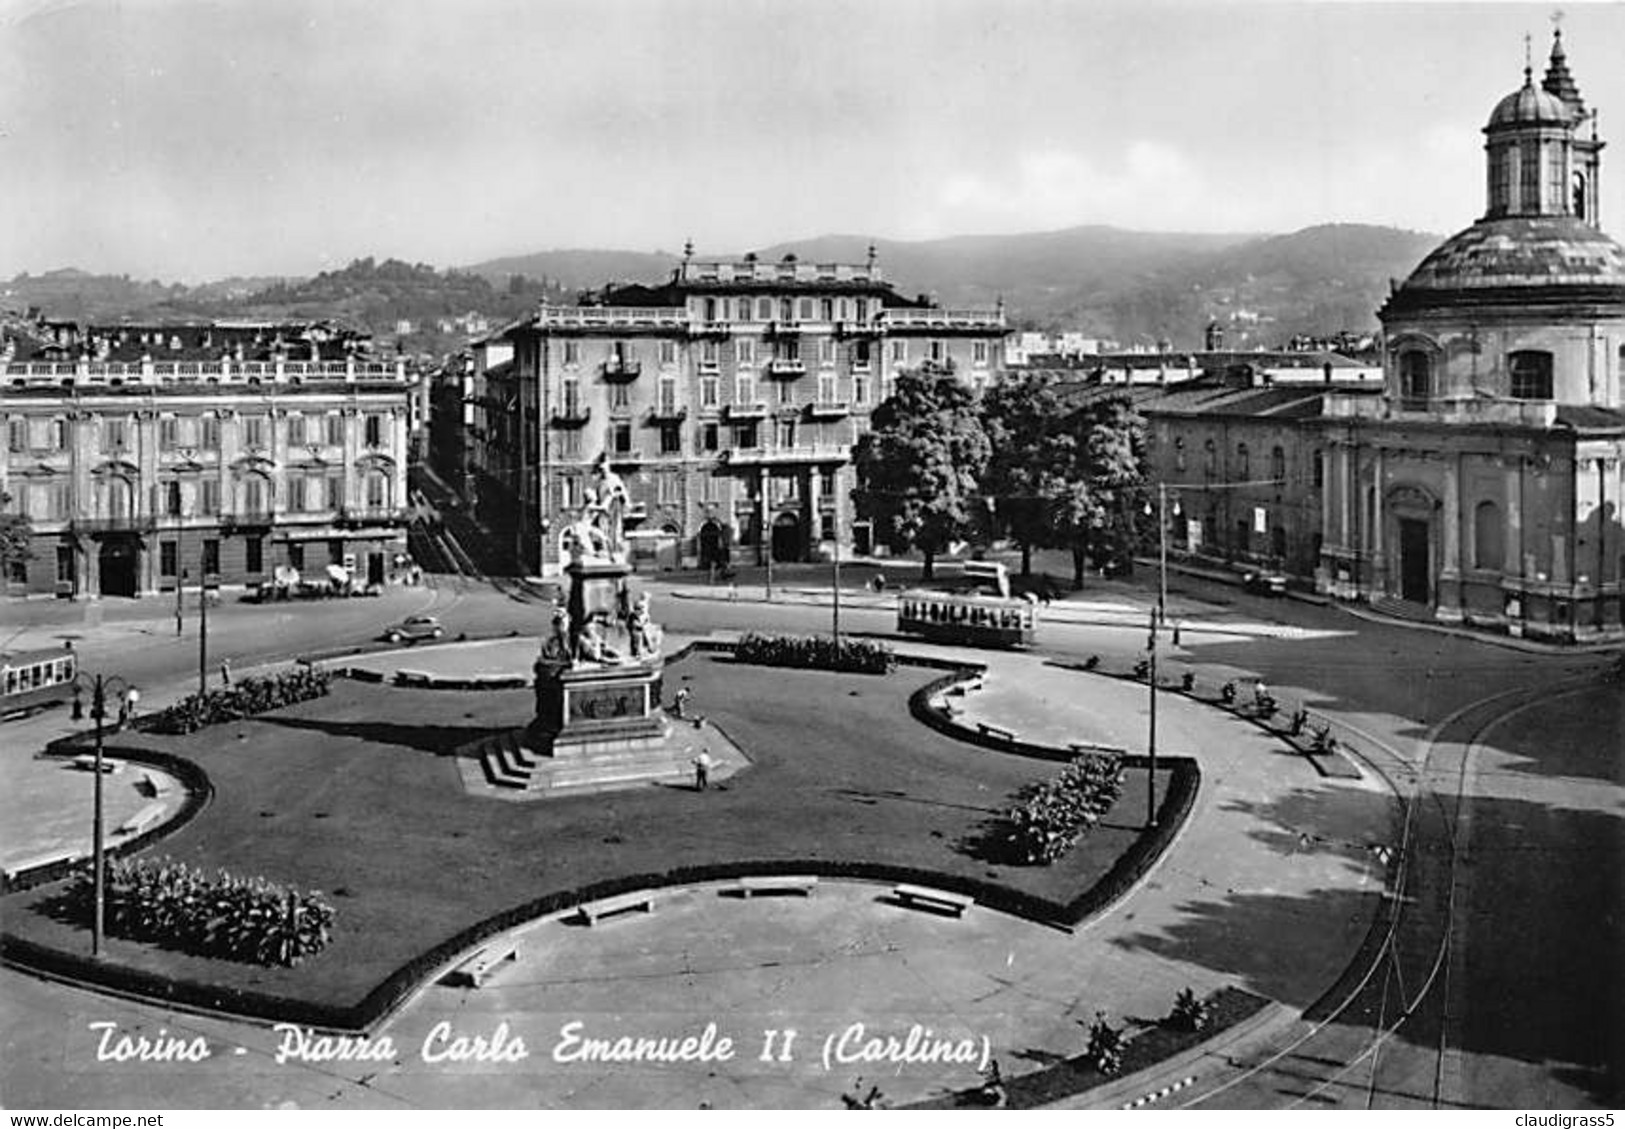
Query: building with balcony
{"x": 728, "y": 399}
{"x": 1485, "y": 485}
{"x": 145, "y": 455}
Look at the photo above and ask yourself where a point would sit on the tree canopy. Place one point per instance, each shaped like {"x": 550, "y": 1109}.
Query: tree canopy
{"x": 920, "y": 466}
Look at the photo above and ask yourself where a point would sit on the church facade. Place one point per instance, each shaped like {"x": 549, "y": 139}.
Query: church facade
{"x": 1484, "y": 486}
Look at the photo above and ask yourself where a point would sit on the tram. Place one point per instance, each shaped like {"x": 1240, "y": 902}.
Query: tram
{"x": 977, "y": 619}
{"x": 33, "y": 680}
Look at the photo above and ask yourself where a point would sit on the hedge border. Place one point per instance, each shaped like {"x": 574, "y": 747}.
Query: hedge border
{"x": 199, "y": 792}
{"x": 398, "y": 986}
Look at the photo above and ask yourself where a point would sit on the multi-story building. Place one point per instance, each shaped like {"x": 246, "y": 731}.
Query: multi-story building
{"x": 1486, "y": 484}
{"x": 145, "y": 454}
{"x": 728, "y": 399}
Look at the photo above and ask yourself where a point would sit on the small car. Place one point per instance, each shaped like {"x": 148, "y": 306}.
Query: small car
{"x": 415, "y": 628}
{"x": 1264, "y": 582}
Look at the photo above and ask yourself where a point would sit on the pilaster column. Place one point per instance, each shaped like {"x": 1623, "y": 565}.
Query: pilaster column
{"x": 1449, "y": 591}
{"x": 1378, "y": 584}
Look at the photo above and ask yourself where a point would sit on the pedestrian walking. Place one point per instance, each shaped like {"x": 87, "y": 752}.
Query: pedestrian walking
{"x": 702, "y": 771}
{"x": 679, "y": 705}
{"x": 225, "y": 673}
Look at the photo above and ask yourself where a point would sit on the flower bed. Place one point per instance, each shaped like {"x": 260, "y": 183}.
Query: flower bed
{"x": 815, "y": 652}
{"x": 179, "y": 906}
{"x": 1051, "y": 817}
{"x": 249, "y": 697}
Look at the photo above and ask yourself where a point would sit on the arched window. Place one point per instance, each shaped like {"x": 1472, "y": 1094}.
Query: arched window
{"x": 1179, "y": 453}
{"x": 1210, "y": 457}
{"x": 1415, "y": 379}
{"x": 1488, "y": 541}
{"x": 1278, "y": 464}
{"x": 120, "y": 497}
{"x": 377, "y": 490}
{"x": 256, "y": 494}
{"x": 1319, "y": 469}
{"x": 1244, "y": 466}
{"x": 1578, "y": 197}
{"x": 1531, "y": 373}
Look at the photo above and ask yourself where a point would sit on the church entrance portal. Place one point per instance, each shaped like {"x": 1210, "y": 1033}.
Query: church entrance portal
{"x": 1414, "y": 571}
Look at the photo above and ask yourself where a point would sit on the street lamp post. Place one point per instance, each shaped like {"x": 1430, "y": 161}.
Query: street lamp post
{"x": 203, "y": 623}
{"x": 835, "y": 613}
{"x": 99, "y": 688}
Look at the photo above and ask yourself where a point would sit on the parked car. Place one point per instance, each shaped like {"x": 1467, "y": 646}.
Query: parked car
{"x": 415, "y": 628}
{"x": 1266, "y": 582}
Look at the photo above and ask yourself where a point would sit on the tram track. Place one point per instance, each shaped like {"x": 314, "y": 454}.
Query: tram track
{"x": 1405, "y": 983}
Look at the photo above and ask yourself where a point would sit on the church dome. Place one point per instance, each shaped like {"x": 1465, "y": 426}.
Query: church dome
{"x": 1522, "y": 251}
{"x": 1518, "y": 253}
{"x": 1530, "y": 105}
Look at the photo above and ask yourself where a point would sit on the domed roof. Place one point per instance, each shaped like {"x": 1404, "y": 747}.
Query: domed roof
{"x": 1518, "y": 251}
{"x": 1529, "y": 105}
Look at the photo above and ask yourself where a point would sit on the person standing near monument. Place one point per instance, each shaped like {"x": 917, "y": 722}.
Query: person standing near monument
{"x": 702, "y": 771}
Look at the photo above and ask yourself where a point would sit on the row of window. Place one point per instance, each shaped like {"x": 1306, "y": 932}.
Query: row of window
{"x": 744, "y": 352}
{"x": 781, "y": 487}
{"x": 169, "y": 555}
{"x": 203, "y": 432}
{"x": 762, "y": 308}
{"x": 742, "y": 434}
{"x": 746, "y": 389}
{"x": 1529, "y": 374}
{"x": 115, "y": 496}
{"x": 1277, "y": 467}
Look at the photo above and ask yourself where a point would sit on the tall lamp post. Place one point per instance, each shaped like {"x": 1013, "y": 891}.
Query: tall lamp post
{"x": 835, "y": 591}
{"x": 100, "y": 686}
{"x": 203, "y": 621}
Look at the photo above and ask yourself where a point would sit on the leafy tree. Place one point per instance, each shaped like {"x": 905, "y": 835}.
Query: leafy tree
{"x": 16, "y": 535}
{"x": 1027, "y": 476}
{"x": 919, "y": 467}
{"x": 1098, "y": 511}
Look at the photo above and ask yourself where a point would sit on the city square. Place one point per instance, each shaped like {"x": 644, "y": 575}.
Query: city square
{"x": 1007, "y": 656}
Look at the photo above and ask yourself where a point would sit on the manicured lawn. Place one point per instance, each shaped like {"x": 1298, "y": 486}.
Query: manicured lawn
{"x": 358, "y": 795}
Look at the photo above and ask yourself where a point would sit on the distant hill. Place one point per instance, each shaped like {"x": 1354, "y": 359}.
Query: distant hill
{"x": 1126, "y": 285}
{"x": 1129, "y": 286}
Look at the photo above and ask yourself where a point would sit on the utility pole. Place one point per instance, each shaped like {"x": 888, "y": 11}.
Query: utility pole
{"x": 1151, "y": 742}
{"x": 203, "y": 623}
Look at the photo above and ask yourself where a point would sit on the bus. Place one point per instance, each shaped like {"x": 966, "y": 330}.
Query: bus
{"x": 33, "y": 680}
{"x": 972, "y": 619}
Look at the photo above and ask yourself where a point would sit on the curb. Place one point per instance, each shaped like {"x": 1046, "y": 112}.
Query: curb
{"x": 1174, "y": 1074}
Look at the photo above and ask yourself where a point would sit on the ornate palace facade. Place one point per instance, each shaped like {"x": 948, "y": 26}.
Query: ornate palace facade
{"x": 142, "y": 454}
{"x": 728, "y": 399}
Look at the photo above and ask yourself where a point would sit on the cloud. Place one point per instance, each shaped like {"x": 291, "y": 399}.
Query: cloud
{"x": 1049, "y": 188}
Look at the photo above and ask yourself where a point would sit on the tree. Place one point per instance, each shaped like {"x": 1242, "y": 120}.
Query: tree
{"x": 919, "y": 466}
{"x": 1032, "y": 450}
{"x": 1100, "y": 507}
{"x": 16, "y": 536}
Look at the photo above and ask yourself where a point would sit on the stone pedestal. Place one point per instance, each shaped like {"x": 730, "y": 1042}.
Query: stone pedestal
{"x": 586, "y": 709}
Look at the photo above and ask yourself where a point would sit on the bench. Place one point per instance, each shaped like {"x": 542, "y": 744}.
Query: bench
{"x": 939, "y": 900}
{"x": 141, "y": 820}
{"x": 480, "y": 967}
{"x": 157, "y": 785}
{"x": 595, "y": 912}
{"x": 87, "y": 761}
{"x": 1008, "y": 736}
{"x": 803, "y": 884}
{"x": 39, "y": 862}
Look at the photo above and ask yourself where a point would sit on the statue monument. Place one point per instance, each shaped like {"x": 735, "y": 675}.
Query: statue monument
{"x": 598, "y": 673}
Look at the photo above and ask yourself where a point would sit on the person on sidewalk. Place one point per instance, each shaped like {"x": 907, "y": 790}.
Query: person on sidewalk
{"x": 702, "y": 771}
{"x": 225, "y": 673}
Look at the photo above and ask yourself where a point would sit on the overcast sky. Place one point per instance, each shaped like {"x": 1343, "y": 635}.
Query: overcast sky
{"x": 192, "y": 139}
